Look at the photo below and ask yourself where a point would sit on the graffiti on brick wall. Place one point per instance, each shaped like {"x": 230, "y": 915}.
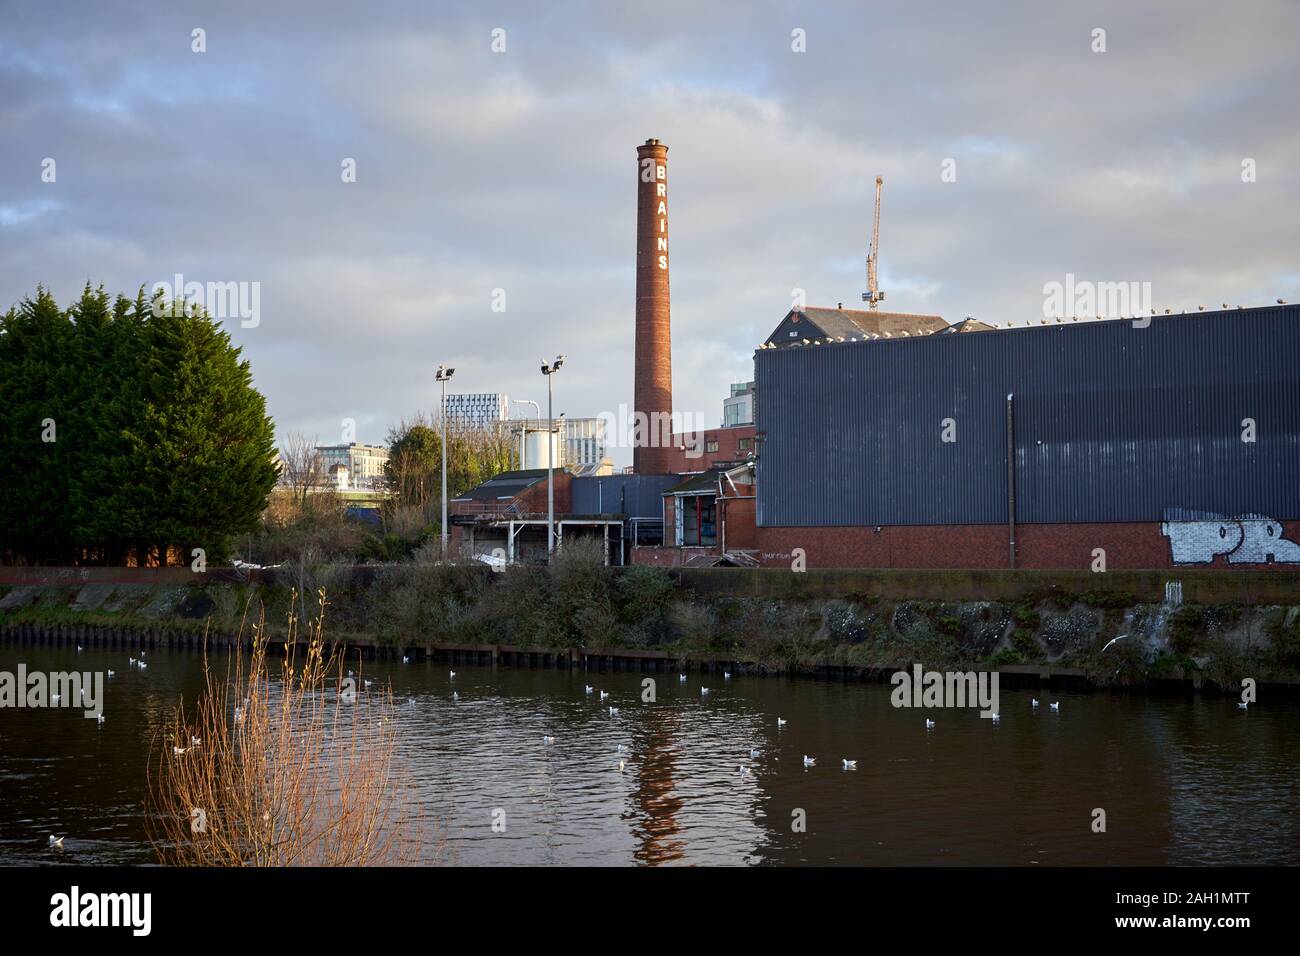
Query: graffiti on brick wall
{"x": 1250, "y": 539}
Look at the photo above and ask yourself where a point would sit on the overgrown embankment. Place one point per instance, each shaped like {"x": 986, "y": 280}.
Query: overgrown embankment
{"x": 1119, "y": 628}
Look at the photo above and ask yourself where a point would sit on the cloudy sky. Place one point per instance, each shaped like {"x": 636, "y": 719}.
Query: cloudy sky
{"x": 478, "y": 170}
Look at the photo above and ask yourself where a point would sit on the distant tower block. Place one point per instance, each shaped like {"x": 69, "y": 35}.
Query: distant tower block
{"x": 653, "y": 387}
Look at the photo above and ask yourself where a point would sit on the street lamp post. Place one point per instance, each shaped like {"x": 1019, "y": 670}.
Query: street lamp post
{"x": 444, "y": 375}
{"x": 548, "y": 371}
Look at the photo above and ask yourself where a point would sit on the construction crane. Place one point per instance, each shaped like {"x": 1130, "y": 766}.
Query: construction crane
{"x": 873, "y": 295}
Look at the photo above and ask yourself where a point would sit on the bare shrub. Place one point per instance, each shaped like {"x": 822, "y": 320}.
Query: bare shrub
{"x": 294, "y": 771}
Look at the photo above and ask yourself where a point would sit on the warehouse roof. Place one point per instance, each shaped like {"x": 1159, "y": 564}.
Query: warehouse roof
{"x": 800, "y": 324}
{"x": 508, "y": 484}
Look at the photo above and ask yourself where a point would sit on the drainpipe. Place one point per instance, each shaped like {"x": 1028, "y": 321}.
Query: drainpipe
{"x": 1011, "y": 483}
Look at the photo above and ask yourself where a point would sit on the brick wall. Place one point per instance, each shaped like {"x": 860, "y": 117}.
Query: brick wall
{"x": 1127, "y": 545}
{"x": 677, "y": 461}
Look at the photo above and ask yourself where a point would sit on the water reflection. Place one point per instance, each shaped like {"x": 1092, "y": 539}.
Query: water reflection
{"x": 1182, "y": 781}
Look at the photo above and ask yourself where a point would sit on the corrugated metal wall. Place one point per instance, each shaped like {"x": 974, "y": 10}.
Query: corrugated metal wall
{"x": 637, "y": 496}
{"x": 1112, "y": 423}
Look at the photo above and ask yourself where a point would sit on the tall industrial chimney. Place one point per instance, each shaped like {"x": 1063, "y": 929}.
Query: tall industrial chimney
{"x": 653, "y": 387}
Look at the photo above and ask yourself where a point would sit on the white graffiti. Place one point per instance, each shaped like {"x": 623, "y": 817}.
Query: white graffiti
{"x": 1250, "y": 539}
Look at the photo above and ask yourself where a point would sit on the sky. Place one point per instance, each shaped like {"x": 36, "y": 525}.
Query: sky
{"x": 1016, "y": 143}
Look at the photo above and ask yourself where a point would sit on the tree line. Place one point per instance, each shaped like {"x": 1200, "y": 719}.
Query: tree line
{"x": 131, "y": 433}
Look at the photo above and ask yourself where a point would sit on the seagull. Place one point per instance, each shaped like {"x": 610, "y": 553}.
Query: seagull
{"x": 726, "y": 675}
{"x": 1112, "y": 641}
{"x": 352, "y": 673}
{"x": 179, "y": 750}
{"x": 588, "y": 689}
{"x": 548, "y": 739}
{"x": 703, "y": 691}
{"x": 849, "y": 764}
{"x": 681, "y": 678}
{"x": 142, "y": 655}
{"x": 112, "y": 673}
{"x": 143, "y": 665}
{"x": 455, "y": 696}
{"x": 613, "y": 711}
{"x": 239, "y": 714}
{"x": 195, "y": 741}
{"x": 995, "y": 717}
{"x": 621, "y": 749}
{"x": 1243, "y": 705}
{"x": 929, "y": 724}
{"x": 1055, "y": 705}
{"x": 753, "y": 753}
{"x": 743, "y": 770}
{"x": 603, "y": 695}
{"x": 453, "y": 675}
{"x": 55, "y": 698}
{"x": 780, "y": 721}
{"x": 130, "y": 662}
{"x": 1033, "y": 702}
{"x": 58, "y": 842}
{"x": 621, "y": 766}
{"x": 808, "y": 761}
{"x": 99, "y": 718}
{"x": 78, "y": 648}
{"x": 405, "y": 659}
{"x": 411, "y": 701}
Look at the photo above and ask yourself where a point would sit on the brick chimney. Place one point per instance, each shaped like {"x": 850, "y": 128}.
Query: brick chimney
{"x": 653, "y": 385}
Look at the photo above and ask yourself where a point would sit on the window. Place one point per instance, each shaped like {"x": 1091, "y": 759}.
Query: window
{"x": 698, "y": 525}
{"x": 710, "y": 445}
{"x": 746, "y": 444}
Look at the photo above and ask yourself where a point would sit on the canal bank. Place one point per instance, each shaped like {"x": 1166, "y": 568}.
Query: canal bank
{"x": 1200, "y": 630}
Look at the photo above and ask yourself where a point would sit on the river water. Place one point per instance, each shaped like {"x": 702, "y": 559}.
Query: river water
{"x": 1181, "y": 780}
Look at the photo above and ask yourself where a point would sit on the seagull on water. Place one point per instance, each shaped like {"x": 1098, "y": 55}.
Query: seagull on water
{"x": 726, "y": 675}
{"x": 78, "y": 648}
{"x": 603, "y": 695}
{"x": 621, "y": 766}
{"x": 453, "y": 675}
{"x": 621, "y": 749}
{"x": 58, "y": 842}
{"x": 405, "y": 659}
{"x": 195, "y": 741}
{"x": 753, "y": 753}
{"x": 455, "y": 696}
{"x": 548, "y": 739}
{"x": 1055, "y": 705}
{"x": 849, "y": 764}
{"x": 1243, "y": 705}
{"x": 1033, "y": 702}
{"x": 613, "y": 711}
{"x": 744, "y": 771}
{"x": 703, "y": 691}
{"x": 588, "y": 689}
{"x": 808, "y": 761}
{"x": 368, "y": 682}
{"x": 99, "y": 718}
{"x": 143, "y": 665}
{"x": 130, "y": 662}
{"x": 111, "y": 673}
{"x": 929, "y": 724}
{"x": 681, "y": 678}
{"x": 179, "y": 750}
{"x": 780, "y": 721}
